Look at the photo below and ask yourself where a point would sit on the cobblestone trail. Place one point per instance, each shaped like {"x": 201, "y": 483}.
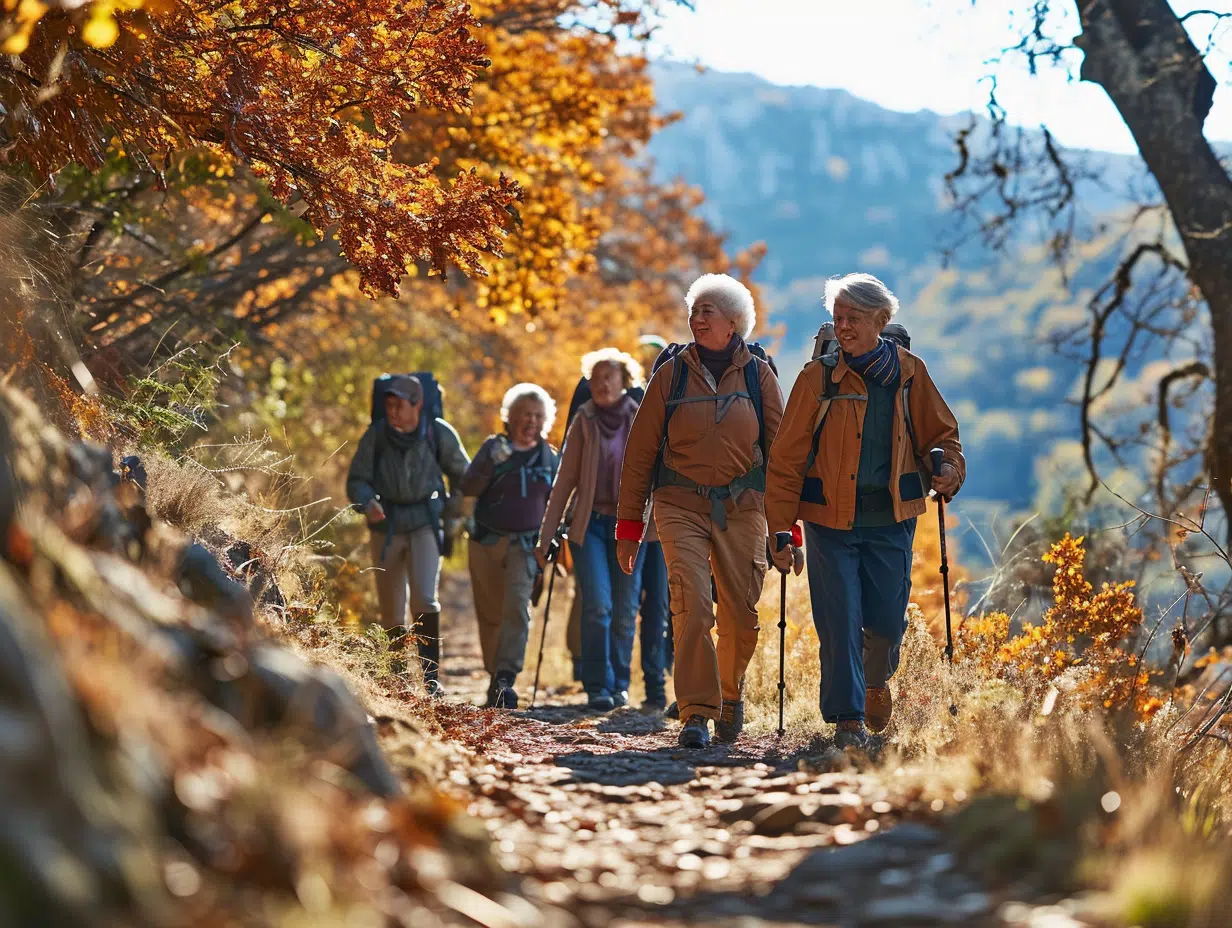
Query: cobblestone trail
{"x": 607, "y": 822}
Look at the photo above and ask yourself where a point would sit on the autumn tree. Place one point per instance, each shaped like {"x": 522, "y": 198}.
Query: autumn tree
{"x": 1167, "y": 302}
{"x": 306, "y": 99}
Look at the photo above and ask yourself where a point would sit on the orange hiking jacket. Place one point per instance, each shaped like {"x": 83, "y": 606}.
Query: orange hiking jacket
{"x": 706, "y": 443}
{"x": 830, "y": 496}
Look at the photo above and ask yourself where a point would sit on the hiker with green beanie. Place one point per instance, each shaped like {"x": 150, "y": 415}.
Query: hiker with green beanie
{"x": 398, "y": 478}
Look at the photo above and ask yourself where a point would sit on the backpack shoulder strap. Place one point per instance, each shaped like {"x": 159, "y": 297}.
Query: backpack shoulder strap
{"x": 680, "y": 383}
{"x": 829, "y": 390}
{"x": 752, "y": 383}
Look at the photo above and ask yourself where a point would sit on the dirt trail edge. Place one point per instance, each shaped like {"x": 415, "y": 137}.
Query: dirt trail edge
{"x": 605, "y": 821}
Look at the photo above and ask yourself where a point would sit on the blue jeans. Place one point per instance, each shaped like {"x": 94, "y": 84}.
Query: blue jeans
{"x": 859, "y": 584}
{"x": 655, "y": 630}
{"x": 609, "y": 608}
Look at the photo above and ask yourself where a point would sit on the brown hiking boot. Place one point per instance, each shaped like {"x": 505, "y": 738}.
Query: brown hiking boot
{"x": 878, "y": 707}
{"x": 850, "y": 734}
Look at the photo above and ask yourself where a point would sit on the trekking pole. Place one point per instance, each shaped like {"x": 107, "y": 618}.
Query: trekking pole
{"x": 936, "y": 456}
{"x": 781, "y": 541}
{"x": 553, "y": 552}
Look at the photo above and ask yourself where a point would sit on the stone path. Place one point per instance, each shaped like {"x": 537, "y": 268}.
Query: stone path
{"x": 607, "y": 822}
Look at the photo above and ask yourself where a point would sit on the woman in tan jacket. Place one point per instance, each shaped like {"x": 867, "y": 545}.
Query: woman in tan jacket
{"x": 698, "y": 445}
{"x": 589, "y": 475}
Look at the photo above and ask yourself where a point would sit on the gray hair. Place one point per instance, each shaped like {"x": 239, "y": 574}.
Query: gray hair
{"x": 862, "y": 292}
{"x": 529, "y": 391}
{"x": 631, "y": 371}
{"x": 729, "y": 296}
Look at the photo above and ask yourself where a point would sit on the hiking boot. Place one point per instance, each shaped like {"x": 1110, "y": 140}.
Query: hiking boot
{"x": 503, "y": 695}
{"x": 850, "y": 734}
{"x": 878, "y": 707}
{"x": 428, "y": 641}
{"x": 730, "y": 722}
{"x": 600, "y": 702}
{"x": 655, "y": 702}
{"x": 620, "y": 699}
{"x": 695, "y": 733}
{"x": 672, "y": 711}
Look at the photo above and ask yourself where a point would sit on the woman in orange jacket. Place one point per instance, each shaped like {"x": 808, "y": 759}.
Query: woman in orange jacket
{"x": 852, "y": 460}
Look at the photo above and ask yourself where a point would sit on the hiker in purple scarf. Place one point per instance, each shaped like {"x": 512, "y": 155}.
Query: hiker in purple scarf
{"x": 589, "y": 476}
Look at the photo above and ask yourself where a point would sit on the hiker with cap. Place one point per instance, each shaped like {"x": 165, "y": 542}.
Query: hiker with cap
{"x": 398, "y": 477}
{"x": 510, "y": 477}
{"x": 698, "y": 446}
{"x": 852, "y": 460}
{"x": 589, "y": 479}
{"x": 654, "y": 573}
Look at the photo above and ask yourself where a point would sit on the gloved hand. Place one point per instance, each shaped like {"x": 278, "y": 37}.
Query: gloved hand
{"x": 784, "y": 560}
{"x": 501, "y": 451}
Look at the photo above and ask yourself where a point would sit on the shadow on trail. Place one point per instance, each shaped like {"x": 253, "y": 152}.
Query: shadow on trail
{"x": 671, "y": 765}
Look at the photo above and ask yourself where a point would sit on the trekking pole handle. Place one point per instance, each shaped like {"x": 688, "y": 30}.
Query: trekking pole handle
{"x": 935, "y": 458}
{"x": 781, "y": 540}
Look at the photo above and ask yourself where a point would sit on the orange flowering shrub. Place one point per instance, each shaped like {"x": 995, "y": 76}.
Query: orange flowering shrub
{"x": 1081, "y": 645}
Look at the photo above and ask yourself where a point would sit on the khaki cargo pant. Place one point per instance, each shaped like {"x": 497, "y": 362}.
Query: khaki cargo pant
{"x": 502, "y": 578}
{"x": 694, "y": 547}
{"x": 409, "y": 575}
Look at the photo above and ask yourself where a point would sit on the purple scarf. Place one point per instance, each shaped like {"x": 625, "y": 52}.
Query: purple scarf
{"x": 613, "y": 425}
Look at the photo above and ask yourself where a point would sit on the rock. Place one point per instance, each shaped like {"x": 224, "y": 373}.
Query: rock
{"x": 268, "y": 686}
{"x": 202, "y": 580}
{"x": 68, "y": 855}
{"x": 912, "y": 835}
{"x": 919, "y": 908}
{"x": 778, "y": 819}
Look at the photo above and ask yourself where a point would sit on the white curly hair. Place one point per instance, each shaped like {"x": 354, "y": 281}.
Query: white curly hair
{"x": 863, "y": 293}
{"x": 632, "y": 371}
{"x": 729, "y": 296}
{"x": 529, "y": 391}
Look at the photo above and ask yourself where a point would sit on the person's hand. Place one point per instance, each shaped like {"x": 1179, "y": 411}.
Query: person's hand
{"x": 501, "y": 451}
{"x": 797, "y": 560}
{"x": 626, "y": 554}
{"x": 375, "y": 511}
{"x": 945, "y": 481}
{"x": 784, "y": 560}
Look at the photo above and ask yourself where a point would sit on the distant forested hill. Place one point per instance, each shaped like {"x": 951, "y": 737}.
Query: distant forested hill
{"x": 834, "y": 184}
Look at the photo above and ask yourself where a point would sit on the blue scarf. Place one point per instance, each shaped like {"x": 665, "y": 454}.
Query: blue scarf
{"x": 881, "y": 365}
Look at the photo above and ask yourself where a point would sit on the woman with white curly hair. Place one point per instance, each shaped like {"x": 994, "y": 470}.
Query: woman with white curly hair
{"x": 590, "y": 476}
{"x": 511, "y": 477}
{"x": 698, "y": 446}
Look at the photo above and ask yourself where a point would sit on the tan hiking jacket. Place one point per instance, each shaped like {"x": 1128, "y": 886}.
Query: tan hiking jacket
{"x": 710, "y": 443}
{"x": 829, "y": 497}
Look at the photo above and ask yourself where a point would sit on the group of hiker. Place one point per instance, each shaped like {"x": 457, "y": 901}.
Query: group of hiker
{"x": 674, "y": 497}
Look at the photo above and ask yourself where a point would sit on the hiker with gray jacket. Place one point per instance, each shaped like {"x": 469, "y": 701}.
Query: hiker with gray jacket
{"x": 398, "y": 477}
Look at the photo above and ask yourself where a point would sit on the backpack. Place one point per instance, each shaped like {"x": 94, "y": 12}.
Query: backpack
{"x": 680, "y": 379}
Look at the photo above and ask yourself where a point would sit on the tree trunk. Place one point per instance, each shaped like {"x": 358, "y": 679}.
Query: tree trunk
{"x": 1139, "y": 52}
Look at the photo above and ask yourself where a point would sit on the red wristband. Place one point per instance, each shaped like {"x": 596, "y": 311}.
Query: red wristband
{"x": 630, "y": 529}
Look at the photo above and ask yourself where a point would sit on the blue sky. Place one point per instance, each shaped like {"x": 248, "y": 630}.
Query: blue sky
{"x": 925, "y": 54}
